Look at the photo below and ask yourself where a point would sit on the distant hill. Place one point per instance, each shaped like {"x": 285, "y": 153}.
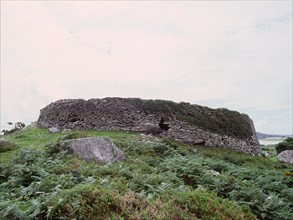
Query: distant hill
{"x": 262, "y": 135}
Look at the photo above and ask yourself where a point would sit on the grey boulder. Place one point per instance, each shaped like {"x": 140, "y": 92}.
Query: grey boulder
{"x": 286, "y": 156}
{"x": 98, "y": 149}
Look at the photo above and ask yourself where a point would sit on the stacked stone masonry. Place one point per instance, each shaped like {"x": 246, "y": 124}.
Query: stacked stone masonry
{"x": 132, "y": 114}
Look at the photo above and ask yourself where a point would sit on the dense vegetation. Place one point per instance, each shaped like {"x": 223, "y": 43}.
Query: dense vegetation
{"x": 287, "y": 144}
{"x": 160, "y": 179}
{"x": 222, "y": 121}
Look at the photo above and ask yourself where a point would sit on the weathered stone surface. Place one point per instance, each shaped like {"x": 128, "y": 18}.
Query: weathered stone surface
{"x": 99, "y": 149}
{"x": 198, "y": 142}
{"x": 192, "y": 124}
{"x": 53, "y": 130}
{"x": 66, "y": 131}
{"x": 286, "y": 156}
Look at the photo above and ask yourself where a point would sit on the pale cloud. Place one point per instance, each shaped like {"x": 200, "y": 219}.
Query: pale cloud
{"x": 228, "y": 54}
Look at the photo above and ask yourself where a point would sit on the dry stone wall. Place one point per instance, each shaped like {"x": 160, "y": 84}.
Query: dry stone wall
{"x": 192, "y": 124}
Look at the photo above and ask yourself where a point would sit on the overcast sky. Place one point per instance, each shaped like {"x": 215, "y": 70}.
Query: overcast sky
{"x": 231, "y": 54}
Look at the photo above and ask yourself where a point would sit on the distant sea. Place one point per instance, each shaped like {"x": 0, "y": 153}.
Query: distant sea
{"x": 271, "y": 140}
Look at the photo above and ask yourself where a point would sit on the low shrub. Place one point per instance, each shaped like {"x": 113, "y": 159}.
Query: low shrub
{"x": 54, "y": 148}
{"x": 74, "y": 135}
{"x": 287, "y": 144}
{"x": 6, "y": 146}
{"x": 206, "y": 205}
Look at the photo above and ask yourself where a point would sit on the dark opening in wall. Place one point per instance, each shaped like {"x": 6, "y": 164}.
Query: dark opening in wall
{"x": 163, "y": 126}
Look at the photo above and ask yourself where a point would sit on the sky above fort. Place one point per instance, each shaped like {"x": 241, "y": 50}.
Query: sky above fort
{"x": 230, "y": 54}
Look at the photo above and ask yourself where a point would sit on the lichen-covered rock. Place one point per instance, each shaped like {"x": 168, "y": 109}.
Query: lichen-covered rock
{"x": 98, "y": 149}
{"x": 192, "y": 124}
{"x": 286, "y": 156}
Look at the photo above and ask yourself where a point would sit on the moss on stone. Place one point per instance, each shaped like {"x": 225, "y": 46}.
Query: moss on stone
{"x": 221, "y": 121}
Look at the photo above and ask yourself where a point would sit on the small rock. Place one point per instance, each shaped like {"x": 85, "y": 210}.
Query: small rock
{"x": 53, "y": 130}
{"x": 66, "y": 131}
{"x": 214, "y": 173}
{"x": 198, "y": 141}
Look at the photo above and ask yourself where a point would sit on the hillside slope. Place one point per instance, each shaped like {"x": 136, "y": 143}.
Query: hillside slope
{"x": 160, "y": 179}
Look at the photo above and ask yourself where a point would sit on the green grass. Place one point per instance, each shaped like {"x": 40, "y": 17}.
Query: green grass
{"x": 7, "y": 150}
{"x": 271, "y": 152}
{"x": 238, "y": 158}
{"x": 160, "y": 179}
{"x": 39, "y": 138}
{"x": 33, "y": 137}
